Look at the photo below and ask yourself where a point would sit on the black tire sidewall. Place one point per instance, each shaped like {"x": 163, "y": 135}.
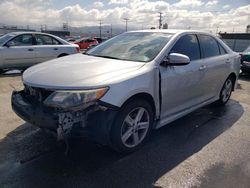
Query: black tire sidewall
{"x": 220, "y": 101}
{"x": 116, "y": 141}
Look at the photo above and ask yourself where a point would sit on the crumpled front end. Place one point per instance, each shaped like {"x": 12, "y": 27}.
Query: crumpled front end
{"x": 93, "y": 120}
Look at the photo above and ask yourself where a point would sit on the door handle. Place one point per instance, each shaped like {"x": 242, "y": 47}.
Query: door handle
{"x": 30, "y": 49}
{"x": 228, "y": 61}
{"x": 55, "y": 48}
{"x": 202, "y": 67}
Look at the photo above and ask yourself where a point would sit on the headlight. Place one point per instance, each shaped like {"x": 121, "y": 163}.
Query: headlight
{"x": 77, "y": 98}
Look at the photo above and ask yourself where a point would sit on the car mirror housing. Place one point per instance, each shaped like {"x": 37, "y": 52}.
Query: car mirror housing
{"x": 176, "y": 59}
{"x": 9, "y": 44}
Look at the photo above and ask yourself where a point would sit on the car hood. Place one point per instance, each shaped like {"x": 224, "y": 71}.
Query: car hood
{"x": 77, "y": 71}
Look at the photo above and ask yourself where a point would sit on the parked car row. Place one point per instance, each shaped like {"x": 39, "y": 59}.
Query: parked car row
{"x": 84, "y": 43}
{"x": 122, "y": 89}
{"x": 19, "y": 50}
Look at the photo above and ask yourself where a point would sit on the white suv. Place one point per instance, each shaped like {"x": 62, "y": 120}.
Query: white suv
{"x": 19, "y": 50}
{"x": 122, "y": 89}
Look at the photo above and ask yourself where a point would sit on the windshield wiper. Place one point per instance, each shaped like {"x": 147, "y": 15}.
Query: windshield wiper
{"x": 105, "y": 56}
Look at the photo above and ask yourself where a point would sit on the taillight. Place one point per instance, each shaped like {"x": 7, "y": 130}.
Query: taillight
{"x": 78, "y": 49}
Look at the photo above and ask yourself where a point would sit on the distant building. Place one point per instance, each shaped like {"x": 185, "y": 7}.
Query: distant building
{"x": 62, "y": 34}
{"x": 248, "y": 29}
{"x": 236, "y": 41}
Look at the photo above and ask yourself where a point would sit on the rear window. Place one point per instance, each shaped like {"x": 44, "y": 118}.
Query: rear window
{"x": 222, "y": 50}
{"x": 209, "y": 46}
{"x": 46, "y": 40}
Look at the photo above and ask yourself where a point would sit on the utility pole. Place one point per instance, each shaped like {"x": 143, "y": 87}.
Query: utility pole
{"x": 217, "y": 30}
{"x": 126, "y": 20}
{"x": 111, "y": 30}
{"x": 41, "y": 28}
{"x": 160, "y": 20}
{"x": 100, "y": 22}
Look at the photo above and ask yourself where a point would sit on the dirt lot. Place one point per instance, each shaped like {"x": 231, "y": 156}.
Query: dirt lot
{"x": 208, "y": 148}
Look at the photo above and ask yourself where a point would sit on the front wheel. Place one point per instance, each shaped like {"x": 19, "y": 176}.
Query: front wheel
{"x": 226, "y": 91}
{"x": 132, "y": 126}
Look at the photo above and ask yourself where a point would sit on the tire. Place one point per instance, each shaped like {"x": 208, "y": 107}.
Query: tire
{"x": 62, "y": 55}
{"x": 132, "y": 126}
{"x": 226, "y": 91}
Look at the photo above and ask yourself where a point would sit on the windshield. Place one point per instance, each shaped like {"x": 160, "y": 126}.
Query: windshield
{"x": 247, "y": 50}
{"x": 135, "y": 46}
{"x": 4, "y": 38}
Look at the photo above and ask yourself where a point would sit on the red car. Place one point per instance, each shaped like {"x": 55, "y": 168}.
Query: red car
{"x": 84, "y": 43}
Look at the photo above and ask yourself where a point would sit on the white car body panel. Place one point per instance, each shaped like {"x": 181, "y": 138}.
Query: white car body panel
{"x": 25, "y": 56}
{"x": 17, "y": 55}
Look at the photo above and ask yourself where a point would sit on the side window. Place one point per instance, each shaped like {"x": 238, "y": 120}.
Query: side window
{"x": 222, "y": 50}
{"x": 187, "y": 45}
{"x": 46, "y": 40}
{"x": 209, "y": 46}
{"x": 89, "y": 40}
{"x": 21, "y": 40}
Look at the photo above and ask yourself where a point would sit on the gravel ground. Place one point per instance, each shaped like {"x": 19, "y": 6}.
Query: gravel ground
{"x": 207, "y": 148}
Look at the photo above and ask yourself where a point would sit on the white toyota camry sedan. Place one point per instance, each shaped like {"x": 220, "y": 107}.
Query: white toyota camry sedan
{"x": 123, "y": 88}
{"x": 19, "y": 50}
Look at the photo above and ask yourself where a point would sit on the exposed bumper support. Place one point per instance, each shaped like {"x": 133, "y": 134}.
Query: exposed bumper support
{"x": 94, "y": 122}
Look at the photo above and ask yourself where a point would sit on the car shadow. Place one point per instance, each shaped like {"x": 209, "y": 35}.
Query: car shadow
{"x": 30, "y": 158}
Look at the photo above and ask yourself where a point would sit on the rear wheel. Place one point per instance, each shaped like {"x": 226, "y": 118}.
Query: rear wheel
{"x": 132, "y": 126}
{"x": 226, "y": 91}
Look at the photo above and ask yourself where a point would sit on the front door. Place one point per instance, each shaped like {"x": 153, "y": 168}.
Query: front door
{"x": 19, "y": 52}
{"x": 180, "y": 85}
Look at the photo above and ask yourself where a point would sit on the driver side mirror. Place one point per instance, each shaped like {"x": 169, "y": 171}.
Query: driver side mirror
{"x": 176, "y": 59}
{"x": 9, "y": 44}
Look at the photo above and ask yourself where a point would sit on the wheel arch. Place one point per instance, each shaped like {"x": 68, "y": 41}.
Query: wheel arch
{"x": 233, "y": 77}
{"x": 63, "y": 54}
{"x": 146, "y": 96}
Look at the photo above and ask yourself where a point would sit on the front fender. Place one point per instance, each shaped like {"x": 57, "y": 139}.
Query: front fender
{"x": 147, "y": 82}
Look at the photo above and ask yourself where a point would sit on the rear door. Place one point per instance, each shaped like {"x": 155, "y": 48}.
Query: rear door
{"x": 180, "y": 85}
{"x": 19, "y": 51}
{"x": 216, "y": 65}
{"x": 46, "y": 48}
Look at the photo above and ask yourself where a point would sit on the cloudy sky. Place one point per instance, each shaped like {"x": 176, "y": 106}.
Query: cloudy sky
{"x": 224, "y": 15}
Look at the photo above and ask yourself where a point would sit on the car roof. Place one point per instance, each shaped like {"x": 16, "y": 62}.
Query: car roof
{"x": 28, "y": 32}
{"x": 34, "y": 32}
{"x": 170, "y": 31}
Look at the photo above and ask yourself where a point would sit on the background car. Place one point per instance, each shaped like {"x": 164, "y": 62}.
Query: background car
{"x": 84, "y": 43}
{"x": 19, "y": 50}
{"x": 245, "y": 60}
{"x": 100, "y": 39}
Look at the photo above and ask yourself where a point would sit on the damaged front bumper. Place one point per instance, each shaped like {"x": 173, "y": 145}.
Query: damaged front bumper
{"x": 94, "y": 121}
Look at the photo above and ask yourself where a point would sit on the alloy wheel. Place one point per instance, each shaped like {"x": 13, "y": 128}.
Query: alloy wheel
{"x": 135, "y": 127}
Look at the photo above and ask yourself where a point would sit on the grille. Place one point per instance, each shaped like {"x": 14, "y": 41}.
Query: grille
{"x": 36, "y": 95}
